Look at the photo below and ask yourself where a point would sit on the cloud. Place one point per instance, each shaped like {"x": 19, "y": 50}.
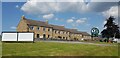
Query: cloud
{"x": 48, "y": 16}
{"x": 113, "y": 11}
{"x": 73, "y": 18}
{"x": 81, "y": 20}
{"x": 98, "y": 6}
{"x": 104, "y": 22}
{"x": 104, "y": 0}
{"x": 48, "y": 8}
{"x": 56, "y": 19}
{"x": 59, "y": 19}
{"x": 17, "y": 6}
{"x": 104, "y": 27}
{"x": 74, "y": 25}
{"x": 13, "y": 27}
{"x": 70, "y": 20}
{"x": 76, "y": 21}
{"x": 35, "y": 7}
{"x": 88, "y": 24}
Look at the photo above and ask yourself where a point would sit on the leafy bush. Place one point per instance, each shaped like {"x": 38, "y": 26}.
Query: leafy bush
{"x": 0, "y": 37}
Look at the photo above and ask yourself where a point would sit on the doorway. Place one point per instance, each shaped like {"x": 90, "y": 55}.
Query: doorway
{"x": 38, "y": 36}
{"x": 44, "y": 36}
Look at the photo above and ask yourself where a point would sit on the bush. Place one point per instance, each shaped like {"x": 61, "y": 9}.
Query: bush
{"x": 101, "y": 41}
{"x": 0, "y": 37}
{"x": 86, "y": 39}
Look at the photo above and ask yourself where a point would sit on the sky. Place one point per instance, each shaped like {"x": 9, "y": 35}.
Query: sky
{"x": 0, "y": 17}
{"x": 77, "y": 15}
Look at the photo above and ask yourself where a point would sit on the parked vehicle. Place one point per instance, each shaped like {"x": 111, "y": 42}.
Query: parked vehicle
{"x": 115, "y": 40}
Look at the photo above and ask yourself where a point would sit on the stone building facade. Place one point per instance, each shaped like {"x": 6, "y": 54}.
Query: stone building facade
{"x": 43, "y": 30}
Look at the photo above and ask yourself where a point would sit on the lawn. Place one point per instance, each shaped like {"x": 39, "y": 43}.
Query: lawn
{"x": 0, "y": 49}
{"x": 57, "y": 49}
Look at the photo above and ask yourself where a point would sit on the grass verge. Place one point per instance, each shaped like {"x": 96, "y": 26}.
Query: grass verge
{"x": 57, "y": 49}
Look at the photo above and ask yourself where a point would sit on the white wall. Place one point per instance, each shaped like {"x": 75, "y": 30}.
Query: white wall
{"x": 9, "y": 36}
{"x": 17, "y": 36}
{"x": 25, "y": 36}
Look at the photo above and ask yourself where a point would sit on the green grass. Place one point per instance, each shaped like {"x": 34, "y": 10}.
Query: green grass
{"x": 57, "y": 49}
{"x": 0, "y": 49}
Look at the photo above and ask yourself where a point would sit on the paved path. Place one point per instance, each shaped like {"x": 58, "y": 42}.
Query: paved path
{"x": 73, "y": 42}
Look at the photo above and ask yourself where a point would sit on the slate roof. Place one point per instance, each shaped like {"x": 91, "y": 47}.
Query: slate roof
{"x": 37, "y": 23}
{"x": 75, "y": 31}
{"x": 56, "y": 27}
{"x": 85, "y": 33}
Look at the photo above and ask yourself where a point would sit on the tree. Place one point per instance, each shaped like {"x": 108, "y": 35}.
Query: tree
{"x": 0, "y": 37}
{"x": 112, "y": 30}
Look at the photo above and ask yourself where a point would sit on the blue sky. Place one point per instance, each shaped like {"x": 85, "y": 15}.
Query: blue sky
{"x": 0, "y": 17}
{"x": 80, "y": 19}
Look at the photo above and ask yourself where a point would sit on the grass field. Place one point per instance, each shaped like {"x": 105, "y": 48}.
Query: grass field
{"x": 0, "y": 49}
{"x": 57, "y": 49}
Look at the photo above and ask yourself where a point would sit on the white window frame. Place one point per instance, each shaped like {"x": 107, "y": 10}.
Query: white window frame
{"x": 38, "y": 27}
{"x": 31, "y": 27}
{"x": 44, "y": 28}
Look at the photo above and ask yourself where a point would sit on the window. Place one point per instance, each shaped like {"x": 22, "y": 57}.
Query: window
{"x": 63, "y": 37}
{"x": 43, "y": 28}
{"x": 62, "y": 32}
{"x": 31, "y": 28}
{"x": 55, "y": 31}
{"x": 48, "y": 29}
{"x": 59, "y": 32}
{"x": 67, "y": 32}
{"x": 38, "y": 28}
{"x": 80, "y": 35}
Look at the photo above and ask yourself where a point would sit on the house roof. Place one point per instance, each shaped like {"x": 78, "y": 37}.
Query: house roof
{"x": 56, "y": 27}
{"x": 85, "y": 33}
{"x": 36, "y": 23}
{"x": 40, "y": 23}
{"x": 74, "y": 31}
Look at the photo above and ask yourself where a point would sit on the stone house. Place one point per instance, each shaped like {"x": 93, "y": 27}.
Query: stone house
{"x": 44, "y": 30}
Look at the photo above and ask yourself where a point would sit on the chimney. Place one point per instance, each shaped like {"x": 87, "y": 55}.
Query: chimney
{"x": 23, "y": 17}
{"x": 46, "y": 21}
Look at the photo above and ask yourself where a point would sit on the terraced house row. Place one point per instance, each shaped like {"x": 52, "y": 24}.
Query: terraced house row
{"x": 43, "y": 30}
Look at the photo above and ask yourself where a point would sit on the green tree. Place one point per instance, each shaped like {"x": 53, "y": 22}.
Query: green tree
{"x": 112, "y": 30}
{"x": 0, "y": 37}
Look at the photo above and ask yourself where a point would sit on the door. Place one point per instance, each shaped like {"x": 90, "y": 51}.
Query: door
{"x": 44, "y": 36}
{"x": 38, "y": 36}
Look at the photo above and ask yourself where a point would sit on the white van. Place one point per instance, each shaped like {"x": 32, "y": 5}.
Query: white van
{"x": 115, "y": 40}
